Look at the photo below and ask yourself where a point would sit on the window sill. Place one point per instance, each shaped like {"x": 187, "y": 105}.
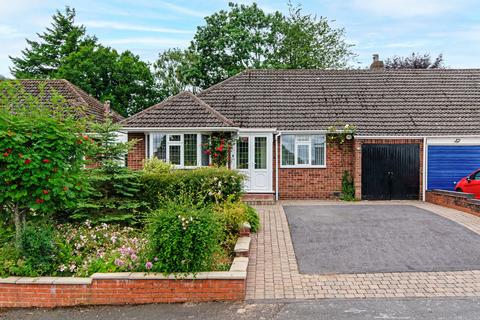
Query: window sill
{"x": 302, "y": 167}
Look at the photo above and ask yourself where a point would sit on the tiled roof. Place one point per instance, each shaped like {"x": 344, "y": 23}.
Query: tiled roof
{"x": 181, "y": 111}
{"x": 388, "y": 102}
{"x": 75, "y": 96}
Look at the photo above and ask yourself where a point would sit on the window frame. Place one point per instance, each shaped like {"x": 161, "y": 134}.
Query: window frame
{"x": 180, "y": 143}
{"x": 304, "y": 143}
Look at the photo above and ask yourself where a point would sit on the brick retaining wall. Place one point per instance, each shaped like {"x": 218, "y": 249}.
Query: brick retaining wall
{"x": 455, "y": 200}
{"x": 129, "y": 287}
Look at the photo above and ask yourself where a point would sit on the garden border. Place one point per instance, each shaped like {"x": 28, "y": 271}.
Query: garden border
{"x": 130, "y": 287}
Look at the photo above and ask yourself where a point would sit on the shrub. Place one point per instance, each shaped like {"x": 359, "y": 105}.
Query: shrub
{"x": 183, "y": 238}
{"x": 252, "y": 218}
{"x": 112, "y": 197}
{"x": 42, "y": 152}
{"x": 157, "y": 166}
{"x": 113, "y": 192}
{"x": 232, "y": 214}
{"x": 348, "y": 188}
{"x": 204, "y": 185}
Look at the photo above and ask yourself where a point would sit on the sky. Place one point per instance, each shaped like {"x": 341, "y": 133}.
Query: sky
{"x": 147, "y": 27}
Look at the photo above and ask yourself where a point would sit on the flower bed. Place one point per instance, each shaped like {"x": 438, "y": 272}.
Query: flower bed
{"x": 129, "y": 287}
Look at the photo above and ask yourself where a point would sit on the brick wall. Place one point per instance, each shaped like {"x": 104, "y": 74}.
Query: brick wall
{"x": 316, "y": 183}
{"x": 455, "y": 200}
{"x": 358, "y": 159}
{"x": 136, "y": 156}
{"x": 117, "y": 292}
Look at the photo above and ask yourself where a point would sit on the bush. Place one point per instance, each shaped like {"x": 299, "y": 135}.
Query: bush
{"x": 36, "y": 256}
{"x": 252, "y": 218}
{"x": 38, "y": 248}
{"x": 348, "y": 188}
{"x": 204, "y": 185}
{"x": 42, "y": 154}
{"x": 157, "y": 166}
{"x": 112, "y": 197}
{"x": 183, "y": 238}
{"x": 232, "y": 214}
{"x": 113, "y": 192}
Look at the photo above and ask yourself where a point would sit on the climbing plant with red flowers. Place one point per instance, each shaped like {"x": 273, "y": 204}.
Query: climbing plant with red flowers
{"x": 218, "y": 148}
{"x": 42, "y": 154}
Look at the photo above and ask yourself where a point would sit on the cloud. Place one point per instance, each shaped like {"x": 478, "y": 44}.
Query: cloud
{"x": 406, "y": 44}
{"x": 132, "y": 27}
{"x": 148, "y": 41}
{"x": 8, "y": 32}
{"x": 182, "y": 10}
{"x": 162, "y": 5}
{"x": 406, "y": 8}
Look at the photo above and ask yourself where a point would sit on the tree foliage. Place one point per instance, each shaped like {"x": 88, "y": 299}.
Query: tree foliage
{"x": 42, "y": 155}
{"x": 66, "y": 51}
{"x": 170, "y": 72}
{"x": 113, "y": 196}
{"x": 308, "y": 42}
{"x": 104, "y": 73}
{"x": 414, "y": 61}
{"x": 41, "y": 59}
{"x": 244, "y": 36}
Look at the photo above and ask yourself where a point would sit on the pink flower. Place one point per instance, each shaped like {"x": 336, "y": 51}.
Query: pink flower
{"x": 119, "y": 262}
{"x": 148, "y": 265}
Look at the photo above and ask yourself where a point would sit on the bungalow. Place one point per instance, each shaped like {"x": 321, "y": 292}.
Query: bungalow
{"x": 85, "y": 104}
{"x": 415, "y": 130}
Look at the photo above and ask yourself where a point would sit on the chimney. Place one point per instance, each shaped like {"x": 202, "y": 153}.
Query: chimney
{"x": 377, "y": 64}
{"x": 106, "y": 107}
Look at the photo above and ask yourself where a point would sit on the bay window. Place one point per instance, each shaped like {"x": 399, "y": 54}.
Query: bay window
{"x": 181, "y": 149}
{"x": 303, "y": 150}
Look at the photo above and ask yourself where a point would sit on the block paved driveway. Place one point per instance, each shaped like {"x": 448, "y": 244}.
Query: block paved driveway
{"x": 273, "y": 272}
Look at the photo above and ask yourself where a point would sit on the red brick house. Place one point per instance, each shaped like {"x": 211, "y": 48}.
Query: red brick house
{"x": 415, "y": 129}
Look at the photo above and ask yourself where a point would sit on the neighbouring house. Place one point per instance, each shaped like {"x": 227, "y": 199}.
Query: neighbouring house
{"x": 76, "y": 97}
{"x": 415, "y": 130}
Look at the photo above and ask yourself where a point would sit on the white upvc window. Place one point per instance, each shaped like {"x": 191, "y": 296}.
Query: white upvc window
{"x": 184, "y": 150}
{"x": 303, "y": 151}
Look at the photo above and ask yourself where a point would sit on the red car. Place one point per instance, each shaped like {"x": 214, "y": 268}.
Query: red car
{"x": 470, "y": 184}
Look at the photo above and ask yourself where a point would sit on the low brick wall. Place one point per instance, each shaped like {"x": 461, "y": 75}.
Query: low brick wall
{"x": 455, "y": 200}
{"x": 129, "y": 287}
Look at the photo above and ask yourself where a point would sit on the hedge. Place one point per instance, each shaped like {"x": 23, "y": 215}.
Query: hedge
{"x": 203, "y": 185}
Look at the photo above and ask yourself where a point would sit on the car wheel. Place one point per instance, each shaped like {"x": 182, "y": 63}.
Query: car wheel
{"x": 459, "y": 190}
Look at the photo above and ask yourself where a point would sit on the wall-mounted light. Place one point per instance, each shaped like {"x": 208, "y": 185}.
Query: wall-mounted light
{"x": 458, "y": 140}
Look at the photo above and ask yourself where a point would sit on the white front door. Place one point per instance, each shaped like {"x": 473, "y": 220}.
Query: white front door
{"x": 254, "y": 159}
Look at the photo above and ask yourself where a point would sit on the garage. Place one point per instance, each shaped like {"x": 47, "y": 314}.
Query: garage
{"x": 447, "y": 164}
{"x": 390, "y": 171}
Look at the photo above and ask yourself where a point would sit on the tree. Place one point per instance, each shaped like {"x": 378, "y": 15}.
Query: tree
{"x": 42, "y": 155}
{"x": 42, "y": 58}
{"x": 414, "y": 61}
{"x": 244, "y": 36}
{"x": 113, "y": 195}
{"x": 230, "y": 42}
{"x": 2, "y": 77}
{"x": 171, "y": 71}
{"x": 308, "y": 42}
{"x": 122, "y": 78}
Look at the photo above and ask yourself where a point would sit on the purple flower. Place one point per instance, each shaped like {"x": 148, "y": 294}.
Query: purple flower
{"x": 148, "y": 265}
{"x": 119, "y": 262}
{"x": 133, "y": 257}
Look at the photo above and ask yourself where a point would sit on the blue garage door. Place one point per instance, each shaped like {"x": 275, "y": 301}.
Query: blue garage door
{"x": 448, "y": 164}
